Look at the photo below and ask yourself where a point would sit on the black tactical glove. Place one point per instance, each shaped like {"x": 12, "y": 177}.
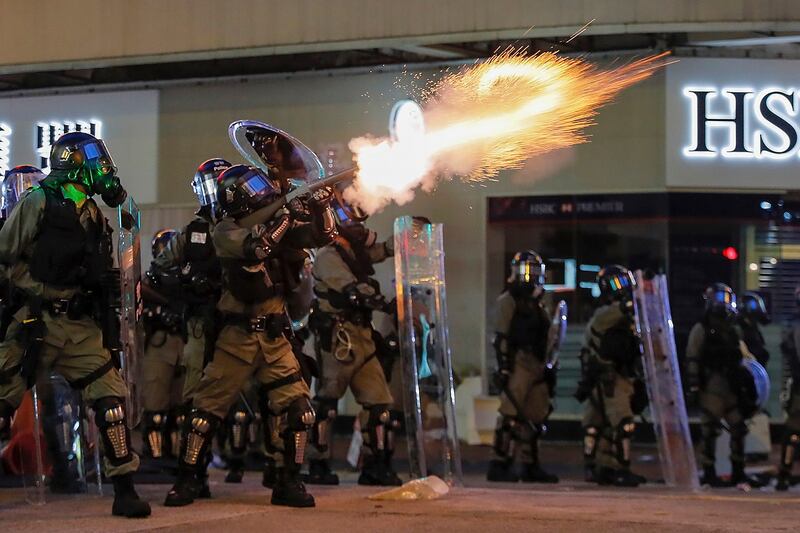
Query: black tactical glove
{"x": 320, "y": 199}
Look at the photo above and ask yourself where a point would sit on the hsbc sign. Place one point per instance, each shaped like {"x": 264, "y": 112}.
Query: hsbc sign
{"x": 754, "y": 124}
{"x": 733, "y": 123}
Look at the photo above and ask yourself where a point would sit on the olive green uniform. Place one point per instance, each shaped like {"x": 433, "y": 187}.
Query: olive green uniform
{"x": 718, "y": 400}
{"x": 71, "y": 347}
{"x": 608, "y": 415}
{"x": 241, "y": 354}
{"x": 347, "y": 358}
{"x": 526, "y": 382}
{"x": 162, "y": 373}
{"x": 194, "y": 349}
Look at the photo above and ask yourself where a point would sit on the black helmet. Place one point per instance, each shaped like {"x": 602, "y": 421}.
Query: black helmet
{"x": 752, "y": 306}
{"x": 527, "y": 269}
{"x": 83, "y": 158}
{"x": 16, "y": 181}
{"x": 204, "y": 183}
{"x": 242, "y": 189}
{"x": 720, "y": 300}
{"x": 345, "y": 212}
{"x": 616, "y": 283}
{"x": 161, "y": 239}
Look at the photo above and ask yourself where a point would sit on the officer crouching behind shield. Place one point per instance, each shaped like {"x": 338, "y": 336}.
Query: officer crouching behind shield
{"x": 610, "y": 387}
{"x": 723, "y": 387}
{"x": 259, "y": 264}
{"x": 56, "y": 251}
{"x": 521, "y": 332}
{"x": 347, "y": 295}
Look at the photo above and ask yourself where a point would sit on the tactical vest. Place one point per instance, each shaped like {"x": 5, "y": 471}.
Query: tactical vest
{"x": 529, "y": 327}
{"x": 66, "y": 254}
{"x": 200, "y": 258}
{"x": 721, "y": 349}
{"x": 253, "y": 282}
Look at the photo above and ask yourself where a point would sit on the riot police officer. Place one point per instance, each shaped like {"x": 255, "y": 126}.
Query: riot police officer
{"x": 347, "y": 295}
{"x": 15, "y": 182}
{"x": 259, "y": 264}
{"x": 162, "y": 373}
{"x": 610, "y": 370}
{"x": 189, "y": 262}
{"x": 56, "y": 251}
{"x": 752, "y": 315}
{"x": 520, "y": 344}
{"x": 718, "y": 380}
{"x": 790, "y": 349}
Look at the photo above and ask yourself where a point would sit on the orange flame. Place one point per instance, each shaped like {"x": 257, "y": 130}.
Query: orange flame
{"x": 489, "y": 117}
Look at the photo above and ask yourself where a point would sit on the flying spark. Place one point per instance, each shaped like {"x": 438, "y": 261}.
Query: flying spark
{"x": 489, "y": 117}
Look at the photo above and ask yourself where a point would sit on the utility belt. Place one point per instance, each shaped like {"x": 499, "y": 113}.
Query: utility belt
{"x": 274, "y": 324}
{"x": 74, "y": 308}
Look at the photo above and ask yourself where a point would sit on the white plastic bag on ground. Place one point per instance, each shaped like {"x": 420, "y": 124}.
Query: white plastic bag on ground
{"x": 426, "y": 488}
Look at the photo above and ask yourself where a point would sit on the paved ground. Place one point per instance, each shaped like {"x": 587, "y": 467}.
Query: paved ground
{"x": 570, "y": 506}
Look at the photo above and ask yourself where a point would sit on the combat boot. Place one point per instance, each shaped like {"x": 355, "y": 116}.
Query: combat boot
{"x": 533, "y": 473}
{"x": 289, "y": 490}
{"x": 235, "y": 471}
{"x": 625, "y": 478}
{"x": 375, "y": 473}
{"x": 501, "y": 471}
{"x": 589, "y": 474}
{"x": 126, "y": 501}
{"x": 738, "y": 476}
{"x": 711, "y": 479}
{"x": 270, "y": 474}
{"x": 784, "y": 481}
{"x": 64, "y": 479}
{"x": 320, "y": 473}
{"x": 187, "y": 487}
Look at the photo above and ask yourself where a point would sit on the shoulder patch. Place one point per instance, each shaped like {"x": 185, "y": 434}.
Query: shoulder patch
{"x": 198, "y": 238}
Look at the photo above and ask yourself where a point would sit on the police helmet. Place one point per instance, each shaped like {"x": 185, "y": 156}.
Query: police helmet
{"x": 720, "y": 300}
{"x": 527, "y": 269}
{"x": 345, "y": 212}
{"x": 83, "y": 156}
{"x": 242, "y": 189}
{"x": 616, "y": 283}
{"x": 161, "y": 239}
{"x": 752, "y": 306}
{"x": 16, "y": 181}
{"x": 204, "y": 183}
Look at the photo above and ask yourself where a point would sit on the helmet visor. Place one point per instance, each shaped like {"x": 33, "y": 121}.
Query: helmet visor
{"x": 15, "y": 183}
{"x": 205, "y": 188}
{"x": 97, "y": 158}
{"x": 722, "y": 299}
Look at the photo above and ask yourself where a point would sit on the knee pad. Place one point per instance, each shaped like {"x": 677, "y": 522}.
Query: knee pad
{"x": 154, "y": 424}
{"x": 711, "y": 429}
{"x": 239, "y": 422}
{"x": 111, "y": 419}
{"x": 201, "y": 427}
{"x": 326, "y": 408}
{"x": 503, "y": 437}
{"x": 378, "y": 415}
{"x": 626, "y": 428}
{"x": 300, "y": 415}
{"x": 590, "y": 436}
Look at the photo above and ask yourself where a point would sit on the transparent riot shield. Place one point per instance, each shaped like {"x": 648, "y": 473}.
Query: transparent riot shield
{"x": 70, "y": 438}
{"x": 428, "y": 387}
{"x": 28, "y": 456}
{"x": 131, "y": 337}
{"x": 662, "y": 373}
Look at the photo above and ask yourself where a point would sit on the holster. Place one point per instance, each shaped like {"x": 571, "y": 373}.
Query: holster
{"x": 31, "y": 335}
